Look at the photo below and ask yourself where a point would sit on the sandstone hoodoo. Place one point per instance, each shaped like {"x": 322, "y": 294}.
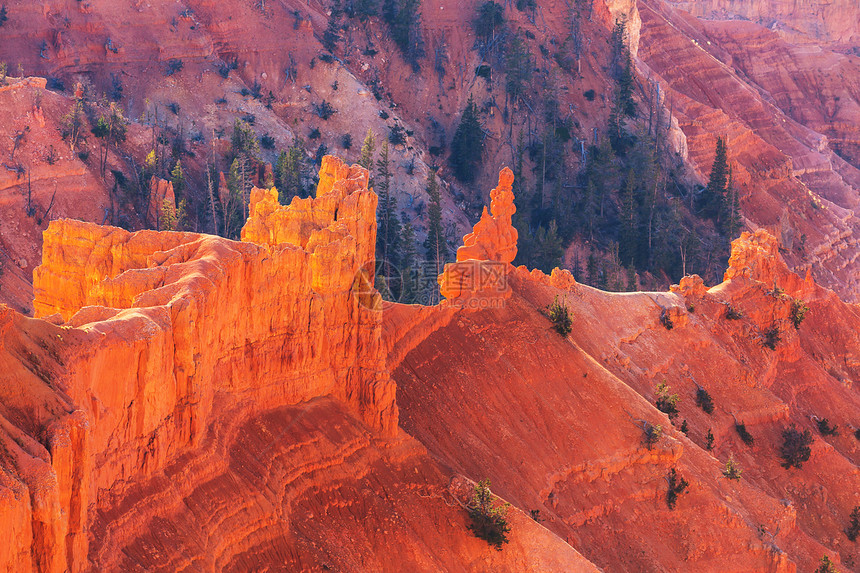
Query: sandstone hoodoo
{"x": 238, "y": 330}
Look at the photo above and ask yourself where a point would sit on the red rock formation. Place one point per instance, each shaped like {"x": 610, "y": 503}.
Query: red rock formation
{"x": 479, "y": 277}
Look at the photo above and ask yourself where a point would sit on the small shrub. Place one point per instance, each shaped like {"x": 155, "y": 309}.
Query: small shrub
{"x": 666, "y": 402}
{"x": 704, "y": 401}
{"x": 4, "y": 14}
{"x": 652, "y": 434}
{"x": 778, "y": 292}
{"x": 857, "y": 434}
{"x": 732, "y": 313}
{"x": 346, "y": 141}
{"x": 589, "y": 95}
{"x": 798, "y": 312}
{"x": 733, "y": 470}
{"x": 314, "y": 134}
{"x": 320, "y": 153}
{"x": 746, "y": 437}
{"x": 327, "y": 58}
{"x": 826, "y": 429}
{"x": 324, "y": 110}
{"x": 684, "y": 427}
{"x": 489, "y": 520}
{"x": 174, "y": 65}
{"x": 826, "y": 566}
{"x": 795, "y": 447}
{"x": 677, "y": 485}
{"x": 267, "y": 142}
{"x": 397, "y": 135}
{"x": 709, "y": 440}
{"x": 383, "y": 114}
{"x": 535, "y": 514}
{"x": 174, "y": 107}
{"x": 559, "y": 315}
{"x": 771, "y": 337}
{"x": 666, "y": 320}
{"x": 484, "y": 71}
{"x": 853, "y": 529}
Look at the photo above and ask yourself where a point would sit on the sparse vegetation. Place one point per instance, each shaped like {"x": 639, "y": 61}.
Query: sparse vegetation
{"x": 825, "y": 428}
{"x": 732, "y": 470}
{"x": 684, "y": 427}
{"x": 853, "y": 529}
{"x": 4, "y": 15}
{"x": 677, "y": 486}
{"x": 324, "y": 110}
{"x": 704, "y": 401}
{"x": 267, "y": 141}
{"x": 746, "y": 437}
{"x": 589, "y": 95}
{"x": 665, "y": 401}
{"x": 346, "y": 141}
{"x": 666, "y": 320}
{"x": 826, "y": 566}
{"x": 174, "y": 65}
{"x": 314, "y": 133}
{"x": 709, "y": 440}
{"x": 489, "y": 519}
{"x": 733, "y": 313}
{"x": 771, "y": 337}
{"x": 397, "y": 135}
{"x": 795, "y": 447}
{"x": 559, "y": 315}
{"x": 798, "y": 312}
{"x": 652, "y": 434}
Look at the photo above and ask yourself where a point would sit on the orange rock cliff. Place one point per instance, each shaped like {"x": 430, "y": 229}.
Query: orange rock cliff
{"x": 186, "y": 403}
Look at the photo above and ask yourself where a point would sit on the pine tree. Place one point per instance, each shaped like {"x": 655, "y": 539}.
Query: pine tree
{"x": 238, "y": 186}
{"x": 366, "y": 158}
{"x": 436, "y": 245}
{"x": 467, "y": 146}
{"x": 288, "y": 173}
{"x": 177, "y": 177}
{"x": 518, "y": 68}
{"x": 409, "y": 280}
{"x": 388, "y": 225}
{"x": 733, "y": 218}
{"x": 714, "y": 195}
{"x": 331, "y": 36}
{"x": 110, "y": 129}
{"x": 627, "y": 238}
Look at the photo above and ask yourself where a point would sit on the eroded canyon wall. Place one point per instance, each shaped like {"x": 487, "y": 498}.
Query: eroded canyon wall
{"x": 161, "y": 333}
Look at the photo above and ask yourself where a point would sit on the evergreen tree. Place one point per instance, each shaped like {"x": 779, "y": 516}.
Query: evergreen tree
{"x": 243, "y": 142}
{"x": 288, "y": 173}
{"x": 489, "y": 21}
{"x": 366, "y": 158}
{"x": 409, "y": 280}
{"x": 733, "y": 218}
{"x": 404, "y": 22}
{"x": 547, "y": 249}
{"x": 436, "y": 245}
{"x": 467, "y": 146}
{"x": 714, "y": 195}
{"x": 177, "y": 177}
{"x": 627, "y": 237}
{"x": 110, "y": 129}
{"x": 518, "y": 68}
{"x": 388, "y": 225}
{"x": 238, "y": 188}
{"x": 331, "y": 36}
